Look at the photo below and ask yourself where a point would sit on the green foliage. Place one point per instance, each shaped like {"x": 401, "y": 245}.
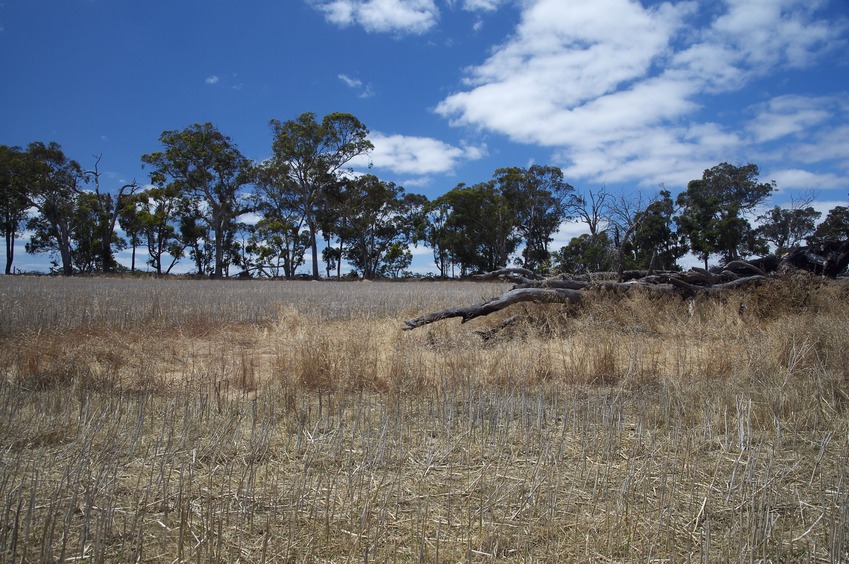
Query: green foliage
{"x": 14, "y": 200}
{"x": 202, "y": 187}
{"x": 92, "y": 250}
{"x": 586, "y": 253}
{"x": 53, "y": 188}
{"x": 153, "y": 217}
{"x": 713, "y": 211}
{"x": 654, "y": 241}
{"x": 786, "y": 228}
{"x": 379, "y": 222}
{"x": 439, "y": 235}
{"x": 280, "y": 238}
{"x": 308, "y": 156}
{"x": 204, "y": 166}
{"x": 481, "y": 228}
{"x": 834, "y": 228}
{"x": 540, "y": 199}
{"x": 397, "y": 259}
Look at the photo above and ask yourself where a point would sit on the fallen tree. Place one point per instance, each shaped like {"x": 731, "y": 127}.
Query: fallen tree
{"x": 571, "y": 290}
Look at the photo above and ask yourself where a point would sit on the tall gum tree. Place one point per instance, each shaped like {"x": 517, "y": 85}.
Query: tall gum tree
{"x": 54, "y": 184}
{"x": 714, "y": 208}
{"x": 542, "y": 201}
{"x": 312, "y": 154}
{"x": 14, "y": 202}
{"x": 206, "y": 166}
{"x": 280, "y": 235}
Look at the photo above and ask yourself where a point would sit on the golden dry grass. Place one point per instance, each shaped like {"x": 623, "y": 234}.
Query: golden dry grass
{"x": 163, "y": 420}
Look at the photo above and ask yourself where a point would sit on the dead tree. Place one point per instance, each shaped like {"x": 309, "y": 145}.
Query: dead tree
{"x": 697, "y": 281}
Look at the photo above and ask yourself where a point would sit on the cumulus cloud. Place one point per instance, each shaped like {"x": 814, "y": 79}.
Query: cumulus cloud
{"x": 618, "y": 98}
{"x": 394, "y": 16}
{"x": 419, "y": 156}
{"x": 212, "y": 79}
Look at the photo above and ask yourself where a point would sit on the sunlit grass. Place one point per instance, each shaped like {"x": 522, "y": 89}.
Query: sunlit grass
{"x": 166, "y": 420}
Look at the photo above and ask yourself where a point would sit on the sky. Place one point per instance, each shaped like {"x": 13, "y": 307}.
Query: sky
{"x": 629, "y": 95}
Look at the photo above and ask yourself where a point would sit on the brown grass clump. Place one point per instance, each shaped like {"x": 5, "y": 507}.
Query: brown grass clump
{"x": 265, "y": 421}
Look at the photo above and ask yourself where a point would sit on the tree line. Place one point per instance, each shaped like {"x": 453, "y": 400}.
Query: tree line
{"x": 203, "y": 190}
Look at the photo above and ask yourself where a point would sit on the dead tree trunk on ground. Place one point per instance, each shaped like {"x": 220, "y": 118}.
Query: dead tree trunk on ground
{"x": 697, "y": 281}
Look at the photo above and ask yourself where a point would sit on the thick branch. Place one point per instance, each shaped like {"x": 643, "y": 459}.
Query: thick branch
{"x": 546, "y": 295}
{"x": 687, "y": 284}
{"x": 520, "y": 275}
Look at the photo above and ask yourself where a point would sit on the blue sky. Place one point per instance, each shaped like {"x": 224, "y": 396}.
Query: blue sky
{"x": 626, "y": 94}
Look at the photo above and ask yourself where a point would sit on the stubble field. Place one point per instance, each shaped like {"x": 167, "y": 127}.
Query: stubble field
{"x": 180, "y": 420}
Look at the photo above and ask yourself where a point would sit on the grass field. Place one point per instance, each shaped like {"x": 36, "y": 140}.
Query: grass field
{"x": 178, "y": 420}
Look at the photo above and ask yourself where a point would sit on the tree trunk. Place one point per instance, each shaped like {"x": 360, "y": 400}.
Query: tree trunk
{"x": 10, "y": 247}
{"x": 314, "y": 246}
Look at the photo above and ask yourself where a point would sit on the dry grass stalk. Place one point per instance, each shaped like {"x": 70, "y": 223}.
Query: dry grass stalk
{"x": 163, "y": 420}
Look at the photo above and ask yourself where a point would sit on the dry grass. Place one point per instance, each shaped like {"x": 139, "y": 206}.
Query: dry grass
{"x": 259, "y": 421}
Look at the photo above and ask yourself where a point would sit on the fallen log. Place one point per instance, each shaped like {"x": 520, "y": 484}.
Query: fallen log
{"x": 572, "y": 292}
{"x": 515, "y": 274}
{"x": 517, "y": 295}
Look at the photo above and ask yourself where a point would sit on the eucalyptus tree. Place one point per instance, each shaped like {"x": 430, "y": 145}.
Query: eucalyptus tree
{"x": 541, "y": 200}
{"x": 207, "y": 167}
{"x": 787, "y": 228}
{"x": 92, "y": 249}
{"x": 153, "y": 217}
{"x": 311, "y": 154}
{"x": 586, "y": 253}
{"x": 592, "y": 209}
{"x": 438, "y": 235}
{"x": 713, "y": 211}
{"x": 482, "y": 227}
{"x": 644, "y": 231}
{"x": 655, "y": 243}
{"x": 104, "y": 210}
{"x": 396, "y": 260}
{"x": 834, "y": 228}
{"x": 380, "y": 225}
{"x": 831, "y": 240}
{"x": 14, "y": 201}
{"x": 54, "y": 184}
{"x": 280, "y": 239}
{"x": 334, "y": 219}
{"x": 130, "y": 221}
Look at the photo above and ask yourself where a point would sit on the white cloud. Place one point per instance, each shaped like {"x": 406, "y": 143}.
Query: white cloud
{"x": 350, "y": 82}
{"x": 799, "y": 179}
{"x": 568, "y": 231}
{"x": 770, "y": 32}
{"x": 365, "y": 91}
{"x": 212, "y": 79}
{"x": 396, "y": 16}
{"x": 788, "y": 115}
{"x": 403, "y": 154}
{"x": 482, "y": 5}
{"x": 619, "y": 97}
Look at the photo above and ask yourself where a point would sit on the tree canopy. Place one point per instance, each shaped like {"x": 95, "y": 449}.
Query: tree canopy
{"x": 713, "y": 211}
{"x": 207, "y": 202}
{"x": 308, "y": 156}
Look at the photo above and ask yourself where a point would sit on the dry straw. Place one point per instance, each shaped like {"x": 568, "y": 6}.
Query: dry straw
{"x": 164, "y": 420}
